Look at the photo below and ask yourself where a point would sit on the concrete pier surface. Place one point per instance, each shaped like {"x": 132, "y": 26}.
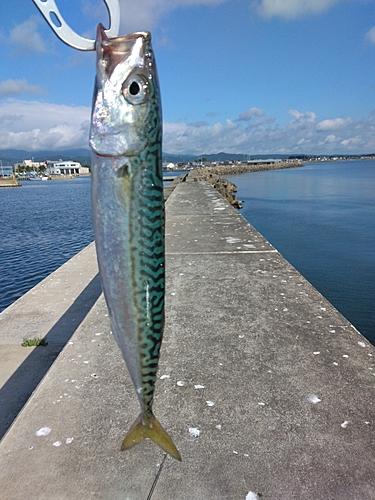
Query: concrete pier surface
{"x": 53, "y": 309}
{"x": 265, "y": 388}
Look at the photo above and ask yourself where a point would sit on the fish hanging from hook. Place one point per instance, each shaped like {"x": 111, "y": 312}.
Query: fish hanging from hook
{"x": 128, "y": 202}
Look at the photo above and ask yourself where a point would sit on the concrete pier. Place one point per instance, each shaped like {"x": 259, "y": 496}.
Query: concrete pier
{"x": 53, "y": 309}
{"x": 263, "y": 385}
{"x": 7, "y": 183}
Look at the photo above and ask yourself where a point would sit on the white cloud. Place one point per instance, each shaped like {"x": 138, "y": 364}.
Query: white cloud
{"x": 16, "y": 87}
{"x": 250, "y": 113}
{"x": 200, "y": 123}
{"x": 262, "y": 121}
{"x": 330, "y": 138}
{"x": 352, "y": 141}
{"x": 37, "y": 125}
{"x": 25, "y": 38}
{"x": 299, "y": 135}
{"x": 302, "y": 121}
{"x": 370, "y": 35}
{"x": 292, "y": 9}
{"x": 332, "y": 124}
{"x": 295, "y": 113}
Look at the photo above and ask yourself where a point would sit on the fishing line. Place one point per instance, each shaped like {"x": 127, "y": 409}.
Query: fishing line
{"x": 156, "y": 478}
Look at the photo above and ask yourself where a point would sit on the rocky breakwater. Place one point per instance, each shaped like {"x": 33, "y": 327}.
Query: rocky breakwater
{"x": 241, "y": 168}
{"x": 227, "y": 188}
{"x": 222, "y": 185}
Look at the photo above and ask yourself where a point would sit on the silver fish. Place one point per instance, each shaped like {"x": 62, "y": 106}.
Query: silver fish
{"x": 128, "y": 209}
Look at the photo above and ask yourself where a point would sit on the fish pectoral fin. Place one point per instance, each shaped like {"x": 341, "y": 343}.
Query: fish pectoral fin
{"x": 149, "y": 427}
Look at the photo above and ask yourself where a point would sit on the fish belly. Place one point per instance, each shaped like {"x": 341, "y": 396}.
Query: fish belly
{"x": 128, "y": 209}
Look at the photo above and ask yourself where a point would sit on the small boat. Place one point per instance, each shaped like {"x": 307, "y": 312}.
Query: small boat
{"x": 34, "y": 176}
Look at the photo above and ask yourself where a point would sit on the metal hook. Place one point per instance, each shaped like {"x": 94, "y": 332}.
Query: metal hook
{"x": 66, "y": 34}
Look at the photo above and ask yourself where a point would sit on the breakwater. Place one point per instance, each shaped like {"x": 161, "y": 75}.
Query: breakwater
{"x": 263, "y": 385}
{"x": 8, "y": 183}
{"x": 226, "y": 188}
{"x": 213, "y": 175}
{"x": 245, "y": 167}
{"x": 222, "y": 185}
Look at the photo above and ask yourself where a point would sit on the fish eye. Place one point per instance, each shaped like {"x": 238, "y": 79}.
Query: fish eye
{"x": 135, "y": 89}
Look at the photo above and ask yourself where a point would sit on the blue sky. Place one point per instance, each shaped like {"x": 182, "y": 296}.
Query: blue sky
{"x": 241, "y": 76}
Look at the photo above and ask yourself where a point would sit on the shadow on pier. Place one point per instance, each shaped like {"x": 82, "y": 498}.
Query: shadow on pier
{"x": 19, "y": 387}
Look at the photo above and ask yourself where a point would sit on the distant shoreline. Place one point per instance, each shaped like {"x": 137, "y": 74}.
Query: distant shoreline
{"x": 243, "y": 167}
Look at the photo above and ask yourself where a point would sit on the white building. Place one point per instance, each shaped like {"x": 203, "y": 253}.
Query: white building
{"x": 31, "y": 163}
{"x": 28, "y": 163}
{"x": 66, "y": 168}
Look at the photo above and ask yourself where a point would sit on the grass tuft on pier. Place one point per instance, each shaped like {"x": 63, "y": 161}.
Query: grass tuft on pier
{"x": 34, "y": 342}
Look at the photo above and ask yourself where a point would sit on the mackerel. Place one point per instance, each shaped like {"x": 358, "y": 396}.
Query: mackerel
{"x": 128, "y": 210}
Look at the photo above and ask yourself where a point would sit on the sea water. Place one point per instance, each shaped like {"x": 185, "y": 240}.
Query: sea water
{"x": 43, "y": 224}
{"x": 321, "y": 218}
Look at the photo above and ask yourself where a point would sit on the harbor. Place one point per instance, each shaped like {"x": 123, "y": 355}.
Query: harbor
{"x": 30, "y": 170}
{"x": 264, "y": 386}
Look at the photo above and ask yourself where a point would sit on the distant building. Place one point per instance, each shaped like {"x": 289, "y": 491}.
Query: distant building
{"x": 268, "y": 161}
{"x": 28, "y": 163}
{"x": 6, "y": 171}
{"x": 66, "y": 168}
{"x": 31, "y": 163}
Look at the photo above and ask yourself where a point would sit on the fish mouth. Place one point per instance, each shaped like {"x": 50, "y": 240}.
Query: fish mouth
{"x": 112, "y": 50}
{"x": 120, "y": 45}
{"x": 102, "y": 36}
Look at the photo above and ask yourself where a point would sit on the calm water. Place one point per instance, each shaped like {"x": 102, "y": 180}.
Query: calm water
{"x": 322, "y": 220}
{"x": 43, "y": 224}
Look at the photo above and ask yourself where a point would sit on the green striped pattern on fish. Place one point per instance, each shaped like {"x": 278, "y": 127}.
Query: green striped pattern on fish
{"x": 148, "y": 267}
{"x": 128, "y": 209}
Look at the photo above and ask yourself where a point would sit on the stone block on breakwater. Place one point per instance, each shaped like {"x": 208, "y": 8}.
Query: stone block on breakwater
{"x": 222, "y": 185}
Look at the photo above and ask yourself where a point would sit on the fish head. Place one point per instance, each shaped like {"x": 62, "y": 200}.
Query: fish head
{"x": 126, "y": 111}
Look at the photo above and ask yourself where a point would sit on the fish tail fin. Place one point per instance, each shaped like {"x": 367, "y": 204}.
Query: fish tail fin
{"x": 149, "y": 427}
